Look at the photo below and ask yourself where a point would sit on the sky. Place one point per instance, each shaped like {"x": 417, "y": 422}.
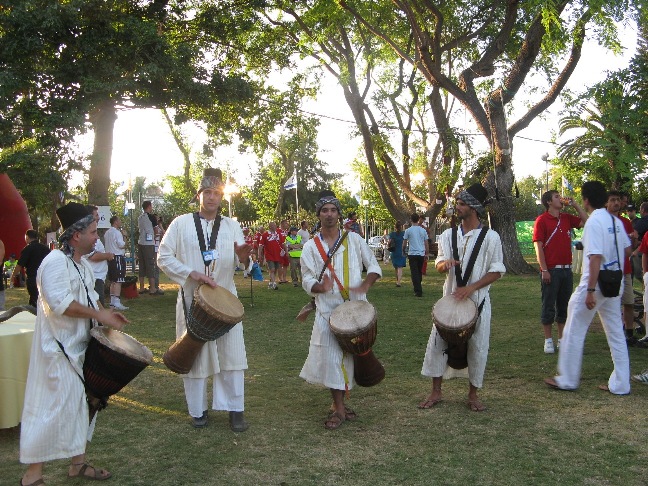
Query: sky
{"x": 143, "y": 145}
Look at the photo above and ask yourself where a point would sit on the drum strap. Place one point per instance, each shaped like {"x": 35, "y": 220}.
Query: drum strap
{"x": 328, "y": 258}
{"x": 201, "y": 237}
{"x": 462, "y": 280}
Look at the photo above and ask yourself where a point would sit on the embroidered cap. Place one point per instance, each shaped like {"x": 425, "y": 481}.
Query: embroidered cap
{"x": 475, "y": 197}
{"x": 327, "y": 197}
{"x": 212, "y": 179}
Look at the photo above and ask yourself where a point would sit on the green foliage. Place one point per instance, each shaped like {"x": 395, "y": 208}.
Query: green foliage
{"x": 265, "y": 192}
{"x": 527, "y": 206}
{"x": 62, "y": 61}
{"x": 611, "y": 125}
{"x": 41, "y": 176}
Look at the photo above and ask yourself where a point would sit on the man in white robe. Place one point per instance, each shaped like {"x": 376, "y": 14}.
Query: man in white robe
{"x": 55, "y": 420}
{"x": 327, "y": 364}
{"x": 489, "y": 267}
{"x": 181, "y": 258}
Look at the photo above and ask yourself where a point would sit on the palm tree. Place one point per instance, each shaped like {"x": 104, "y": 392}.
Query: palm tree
{"x": 608, "y": 146}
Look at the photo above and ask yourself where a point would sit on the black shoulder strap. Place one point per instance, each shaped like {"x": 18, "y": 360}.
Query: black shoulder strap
{"x": 201, "y": 237}
{"x": 462, "y": 280}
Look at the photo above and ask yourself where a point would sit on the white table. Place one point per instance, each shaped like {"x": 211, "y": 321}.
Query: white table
{"x": 15, "y": 346}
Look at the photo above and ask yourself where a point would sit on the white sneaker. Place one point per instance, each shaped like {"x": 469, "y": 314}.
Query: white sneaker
{"x": 119, "y": 306}
{"x": 559, "y": 343}
{"x": 548, "y": 346}
{"x": 642, "y": 378}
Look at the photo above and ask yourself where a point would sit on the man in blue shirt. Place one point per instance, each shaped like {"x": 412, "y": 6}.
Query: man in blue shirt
{"x": 417, "y": 239}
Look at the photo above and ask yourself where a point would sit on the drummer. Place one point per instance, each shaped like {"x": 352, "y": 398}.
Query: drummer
{"x": 326, "y": 364}
{"x": 488, "y": 267}
{"x": 55, "y": 416}
{"x": 200, "y": 248}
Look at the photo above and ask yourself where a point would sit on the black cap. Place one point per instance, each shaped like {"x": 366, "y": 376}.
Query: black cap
{"x": 71, "y": 213}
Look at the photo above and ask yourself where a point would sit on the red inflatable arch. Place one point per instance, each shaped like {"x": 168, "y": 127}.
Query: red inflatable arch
{"x": 14, "y": 217}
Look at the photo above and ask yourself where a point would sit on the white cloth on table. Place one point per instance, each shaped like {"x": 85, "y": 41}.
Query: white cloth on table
{"x": 323, "y": 365}
{"x": 55, "y": 415}
{"x": 490, "y": 259}
{"x": 179, "y": 255}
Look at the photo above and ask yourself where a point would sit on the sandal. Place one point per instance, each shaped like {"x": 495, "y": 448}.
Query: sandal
{"x": 349, "y": 413}
{"x": 35, "y": 483}
{"x": 99, "y": 474}
{"x": 476, "y": 406}
{"x": 334, "y": 421}
{"x": 428, "y": 403}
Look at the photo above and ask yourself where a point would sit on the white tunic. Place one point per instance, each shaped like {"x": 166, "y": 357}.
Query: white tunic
{"x": 55, "y": 415}
{"x": 490, "y": 259}
{"x": 178, "y": 256}
{"x": 324, "y": 363}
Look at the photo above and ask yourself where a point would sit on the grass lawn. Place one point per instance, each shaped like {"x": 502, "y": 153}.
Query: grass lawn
{"x": 529, "y": 435}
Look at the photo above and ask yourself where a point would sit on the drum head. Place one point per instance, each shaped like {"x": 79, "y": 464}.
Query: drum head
{"x": 352, "y": 317}
{"x": 454, "y": 314}
{"x": 219, "y": 303}
{"x": 122, "y": 343}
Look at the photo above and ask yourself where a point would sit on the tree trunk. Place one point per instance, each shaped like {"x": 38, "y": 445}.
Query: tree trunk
{"x": 500, "y": 184}
{"x": 103, "y": 122}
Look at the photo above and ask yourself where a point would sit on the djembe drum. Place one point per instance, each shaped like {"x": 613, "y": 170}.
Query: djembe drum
{"x": 354, "y": 325}
{"x": 455, "y": 321}
{"x": 112, "y": 360}
{"x": 214, "y": 311}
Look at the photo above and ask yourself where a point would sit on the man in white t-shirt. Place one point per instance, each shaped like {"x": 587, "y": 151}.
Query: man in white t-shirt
{"x": 98, "y": 260}
{"x": 116, "y": 245}
{"x": 417, "y": 239}
{"x": 303, "y": 232}
{"x": 605, "y": 246}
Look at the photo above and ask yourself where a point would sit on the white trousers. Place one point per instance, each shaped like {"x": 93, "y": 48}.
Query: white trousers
{"x": 228, "y": 392}
{"x": 579, "y": 318}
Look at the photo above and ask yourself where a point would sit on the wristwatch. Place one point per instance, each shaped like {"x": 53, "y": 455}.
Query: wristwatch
{"x": 591, "y": 290}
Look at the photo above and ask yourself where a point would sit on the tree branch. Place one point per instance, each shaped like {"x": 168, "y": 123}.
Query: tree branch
{"x": 561, "y": 80}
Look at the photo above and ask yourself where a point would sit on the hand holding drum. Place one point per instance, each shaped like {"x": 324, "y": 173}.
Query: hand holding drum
{"x": 213, "y": 312}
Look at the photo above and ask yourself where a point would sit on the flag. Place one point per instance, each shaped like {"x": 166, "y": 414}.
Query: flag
{"x": 121, "y": 188}
{"x": 566, "y": 184}
{"x": 292, "y": 182}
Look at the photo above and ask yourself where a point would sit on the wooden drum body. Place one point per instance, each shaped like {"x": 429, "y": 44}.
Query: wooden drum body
{"x": 455, "y": 321}
{"x": 214, "y": 312}
{"x": 112, "y": 360}
{"x": 354, "y": 325}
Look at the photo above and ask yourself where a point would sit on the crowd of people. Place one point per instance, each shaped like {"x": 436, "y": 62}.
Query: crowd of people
{"x": 334, "y": 265}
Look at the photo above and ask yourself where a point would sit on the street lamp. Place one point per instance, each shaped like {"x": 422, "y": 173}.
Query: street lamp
{"x": 365, "y": 203}
{"x": 545, "y": 157}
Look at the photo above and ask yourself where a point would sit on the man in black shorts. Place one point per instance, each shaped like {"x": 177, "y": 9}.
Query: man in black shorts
{"x": 116, "y": 245}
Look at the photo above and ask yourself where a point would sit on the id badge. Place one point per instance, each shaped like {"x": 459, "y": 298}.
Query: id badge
{"x": 149, "y": 237}
{"x": 210, "y": 255}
